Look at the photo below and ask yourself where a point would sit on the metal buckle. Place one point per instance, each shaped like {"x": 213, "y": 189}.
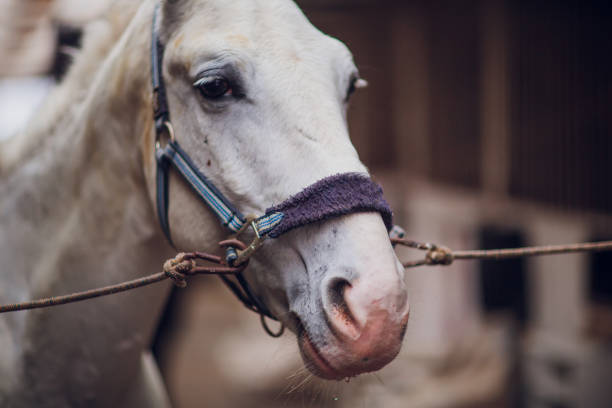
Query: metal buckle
{"x": 257, "y": 242}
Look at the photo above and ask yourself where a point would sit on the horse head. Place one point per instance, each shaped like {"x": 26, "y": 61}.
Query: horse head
{"x": 258, "y": 98}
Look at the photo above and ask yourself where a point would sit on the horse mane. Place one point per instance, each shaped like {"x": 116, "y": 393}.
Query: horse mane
{"x": 99, "y": 37}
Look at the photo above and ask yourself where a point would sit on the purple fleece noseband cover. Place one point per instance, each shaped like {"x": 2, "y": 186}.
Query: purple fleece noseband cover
{"x": 330, "y": 197}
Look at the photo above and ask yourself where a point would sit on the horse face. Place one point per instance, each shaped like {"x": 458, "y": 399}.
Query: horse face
{"x": 258, "y": 99}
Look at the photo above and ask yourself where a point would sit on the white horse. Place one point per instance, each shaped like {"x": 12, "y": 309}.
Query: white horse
{"x": 77, "y": 199}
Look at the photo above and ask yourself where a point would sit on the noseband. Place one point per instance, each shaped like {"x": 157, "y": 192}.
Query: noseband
{"x": 330, "y": 197}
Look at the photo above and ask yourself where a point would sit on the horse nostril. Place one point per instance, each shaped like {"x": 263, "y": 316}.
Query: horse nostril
{"x": 335, "y": 289}
{"x": 339, "y": 312}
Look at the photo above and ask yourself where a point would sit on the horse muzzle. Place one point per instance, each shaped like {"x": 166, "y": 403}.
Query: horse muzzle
{"x": 364, "y": 324}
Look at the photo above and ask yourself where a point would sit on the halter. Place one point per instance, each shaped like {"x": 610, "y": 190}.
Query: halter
{"x": 330, "y": 197}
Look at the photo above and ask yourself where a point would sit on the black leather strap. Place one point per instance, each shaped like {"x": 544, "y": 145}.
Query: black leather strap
{"x": 161, "y": 113}
{"x": 163, "y": 166}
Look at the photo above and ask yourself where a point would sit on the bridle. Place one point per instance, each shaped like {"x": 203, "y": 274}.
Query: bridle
{"x": 173, "y": 155}
{"x": 333, "y": 196}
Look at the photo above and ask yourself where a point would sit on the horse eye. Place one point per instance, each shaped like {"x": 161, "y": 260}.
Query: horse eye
{"x": 214, "y": 87}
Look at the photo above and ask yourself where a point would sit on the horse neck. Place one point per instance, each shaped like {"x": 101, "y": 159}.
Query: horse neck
{"x": 75, "y": 214}
{"x": 82, "y": 173}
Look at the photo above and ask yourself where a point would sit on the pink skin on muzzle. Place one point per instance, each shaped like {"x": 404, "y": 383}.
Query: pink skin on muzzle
{"x": 354, "y": 319}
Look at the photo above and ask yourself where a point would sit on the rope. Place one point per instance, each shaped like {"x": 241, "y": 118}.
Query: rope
{"x": 176, "y": 269}
{"x": 183, "y": 265}
{"x": 438, "y": 255}
{"x": 88, "y": 294}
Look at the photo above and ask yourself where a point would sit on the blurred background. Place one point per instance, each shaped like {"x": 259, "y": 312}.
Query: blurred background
{"x": 488, "y": 123}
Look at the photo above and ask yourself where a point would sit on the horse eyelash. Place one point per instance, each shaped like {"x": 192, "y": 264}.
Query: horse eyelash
{"x": 200, "y": 81}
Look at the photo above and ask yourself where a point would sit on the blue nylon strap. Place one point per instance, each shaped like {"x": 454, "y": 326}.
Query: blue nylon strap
{"x": 266, "y": 223}
{"x": 172, "y": 154}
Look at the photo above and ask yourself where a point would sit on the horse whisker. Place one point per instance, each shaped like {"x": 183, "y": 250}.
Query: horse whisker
{"x": 301, "y": 384}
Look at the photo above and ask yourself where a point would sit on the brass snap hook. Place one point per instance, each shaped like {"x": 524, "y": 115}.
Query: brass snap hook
{"x": 257, "y": 242}
{"x": 243, "y": 254}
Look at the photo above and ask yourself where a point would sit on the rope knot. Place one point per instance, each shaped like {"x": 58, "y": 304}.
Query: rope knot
{"x": 177, "y": 268}
{"x": 439, "y": 256}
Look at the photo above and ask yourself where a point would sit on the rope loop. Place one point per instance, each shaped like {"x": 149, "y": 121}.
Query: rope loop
{"x": 265, "y": 326}
{"x": 177, "y": 269}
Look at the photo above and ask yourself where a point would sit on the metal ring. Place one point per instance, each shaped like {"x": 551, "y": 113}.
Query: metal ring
{"x": 169, "y": 129}
{"x": 276, "y": 335}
